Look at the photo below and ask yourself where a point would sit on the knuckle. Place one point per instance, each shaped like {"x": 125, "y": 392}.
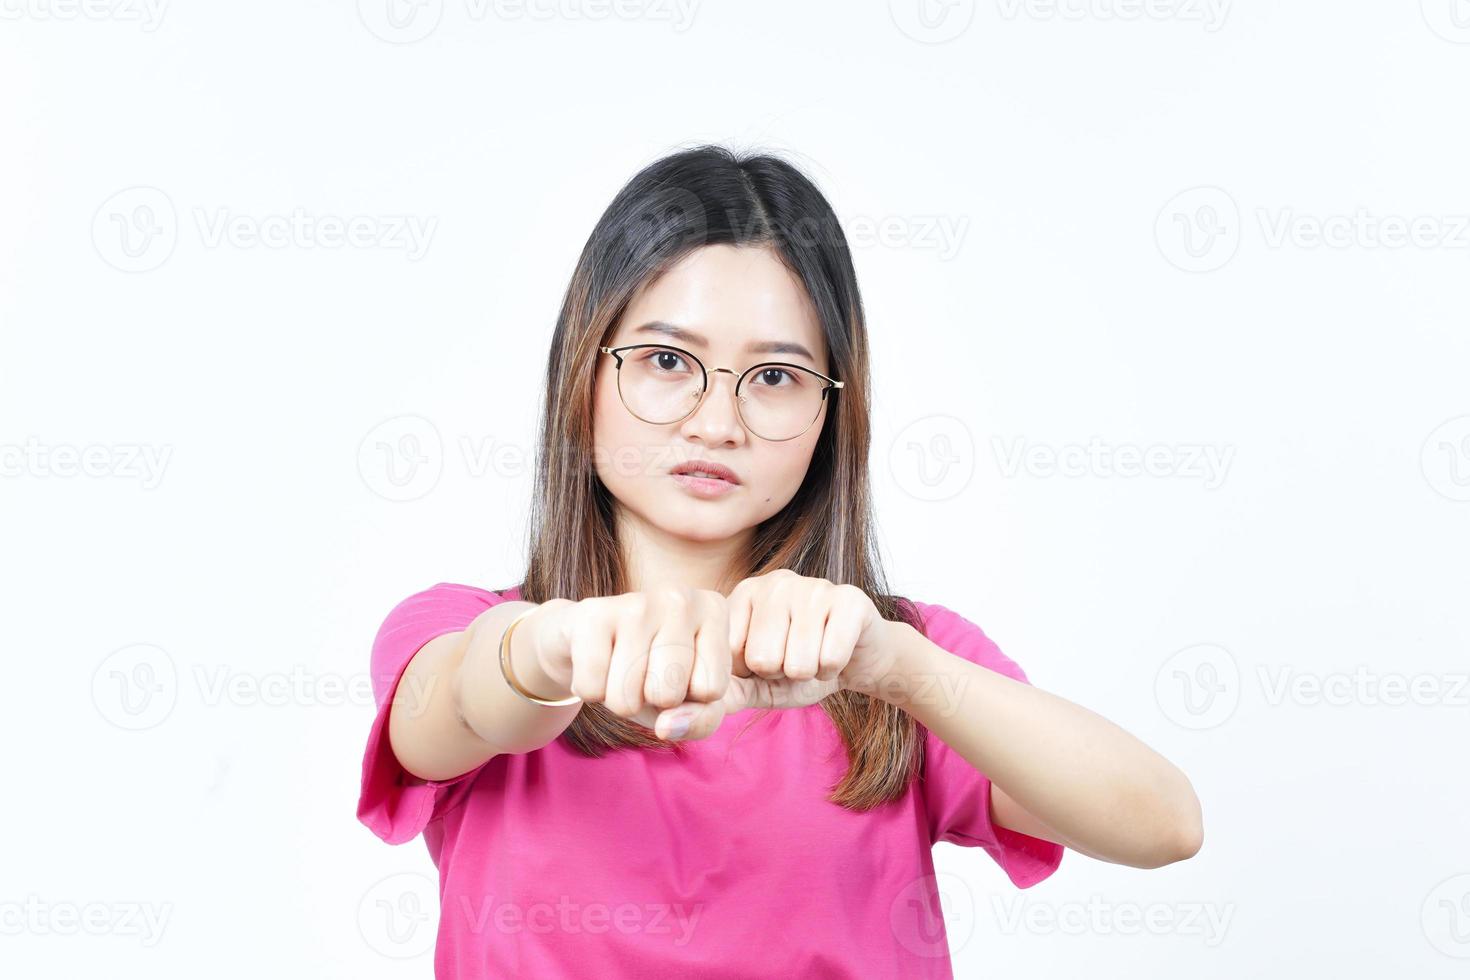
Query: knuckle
{"x": 675, "y": 596}
{"x": 595, "y": 613}
{"x": 589, "y": 692}
{"x": 763, "y": 664}
{"x": 703, "y": 688}
{"x": 621, "y": 704}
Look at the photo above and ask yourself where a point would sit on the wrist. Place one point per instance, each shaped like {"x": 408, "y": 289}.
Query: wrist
{"x": 524, "y": 656}
{"x": 907, "y": 667}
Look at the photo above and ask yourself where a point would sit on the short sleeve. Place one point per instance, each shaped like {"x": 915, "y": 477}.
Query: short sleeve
{"x": 956, "y": 795}
{"x": 392, "y": 803}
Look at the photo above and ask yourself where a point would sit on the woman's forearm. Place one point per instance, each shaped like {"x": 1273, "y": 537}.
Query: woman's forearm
{"x": 497, "y": 714}
{"x": 1102, "y": 790}
{"x": 466, "y": 713}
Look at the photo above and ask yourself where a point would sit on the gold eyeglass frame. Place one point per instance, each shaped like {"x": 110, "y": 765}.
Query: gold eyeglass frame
{"x": 618, "y": 352}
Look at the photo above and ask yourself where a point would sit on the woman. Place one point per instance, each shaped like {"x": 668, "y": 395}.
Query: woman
{"x": 700, "y": 739}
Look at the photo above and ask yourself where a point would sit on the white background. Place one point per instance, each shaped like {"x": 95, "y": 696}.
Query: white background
{"x": 1235, "y": 232}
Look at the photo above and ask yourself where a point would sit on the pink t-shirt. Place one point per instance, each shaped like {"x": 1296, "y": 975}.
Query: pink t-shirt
{"x": 728, "y": 863}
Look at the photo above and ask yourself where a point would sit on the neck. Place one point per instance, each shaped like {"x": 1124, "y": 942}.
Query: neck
{"x": 653, "y": 558}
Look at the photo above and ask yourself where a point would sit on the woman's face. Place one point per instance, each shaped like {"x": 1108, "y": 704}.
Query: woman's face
{"x": 721, "y": 303}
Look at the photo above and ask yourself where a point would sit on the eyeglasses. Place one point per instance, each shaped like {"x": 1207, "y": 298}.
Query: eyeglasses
{"x": 663, "y": 385}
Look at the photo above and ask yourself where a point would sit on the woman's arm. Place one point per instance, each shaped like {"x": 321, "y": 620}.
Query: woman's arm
{"x": 1058, "y": 771}
{"x": 453, "y": 710}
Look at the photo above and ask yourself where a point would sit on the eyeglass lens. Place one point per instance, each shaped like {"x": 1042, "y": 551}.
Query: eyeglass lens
{"x": 662, "y": 385}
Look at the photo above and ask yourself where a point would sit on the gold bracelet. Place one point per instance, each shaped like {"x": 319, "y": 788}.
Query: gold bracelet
{"x": 511, "y": 681}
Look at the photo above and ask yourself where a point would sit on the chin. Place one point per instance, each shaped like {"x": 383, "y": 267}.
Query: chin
{"x": 697, "y": 531}
{"x": 691, "y": 528}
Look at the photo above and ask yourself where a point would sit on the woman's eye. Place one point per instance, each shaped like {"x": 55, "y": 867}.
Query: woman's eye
{"x": 771, "y": 377}
{"x": 666, "y": 360}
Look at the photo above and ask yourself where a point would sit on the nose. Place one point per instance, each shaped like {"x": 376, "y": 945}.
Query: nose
{"x": 716, "y": 419}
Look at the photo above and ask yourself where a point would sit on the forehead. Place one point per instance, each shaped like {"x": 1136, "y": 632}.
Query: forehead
{"x": 730, "y": 303}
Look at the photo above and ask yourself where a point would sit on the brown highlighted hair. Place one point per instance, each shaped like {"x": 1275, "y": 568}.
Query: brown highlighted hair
{"x": 704, "y": 196}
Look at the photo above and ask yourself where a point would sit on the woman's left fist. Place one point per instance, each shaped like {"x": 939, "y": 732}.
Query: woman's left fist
{"x": 794, "y": 640}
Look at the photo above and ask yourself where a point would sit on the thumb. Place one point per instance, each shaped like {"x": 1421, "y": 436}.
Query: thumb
{"x": 743, "y": 692}
{"x": 690, "y": 720}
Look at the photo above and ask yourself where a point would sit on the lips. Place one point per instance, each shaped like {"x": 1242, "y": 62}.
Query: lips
{"x": 707, "y": 469}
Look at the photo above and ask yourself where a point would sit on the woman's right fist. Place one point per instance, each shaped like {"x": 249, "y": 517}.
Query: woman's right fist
{"x": 655, "y": 657}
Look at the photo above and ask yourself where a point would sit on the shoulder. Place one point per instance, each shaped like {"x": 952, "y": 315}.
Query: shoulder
{"x": 954, "y": 632}
{"x": 453, "y": 595}
{"x": 489, "y": 595}
{"x": 439, "y": 608}
{"x": 445, "y": 607}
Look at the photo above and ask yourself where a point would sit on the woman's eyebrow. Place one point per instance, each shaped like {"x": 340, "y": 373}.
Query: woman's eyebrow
{"x": 697, "y": 340}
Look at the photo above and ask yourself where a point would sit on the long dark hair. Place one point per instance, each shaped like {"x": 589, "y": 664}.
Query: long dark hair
{"x": 711, "y": 195}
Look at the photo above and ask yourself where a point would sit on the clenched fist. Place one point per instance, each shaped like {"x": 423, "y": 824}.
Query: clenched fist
{"x": 678, "y": 660}
{"x": 796, "y": 639}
